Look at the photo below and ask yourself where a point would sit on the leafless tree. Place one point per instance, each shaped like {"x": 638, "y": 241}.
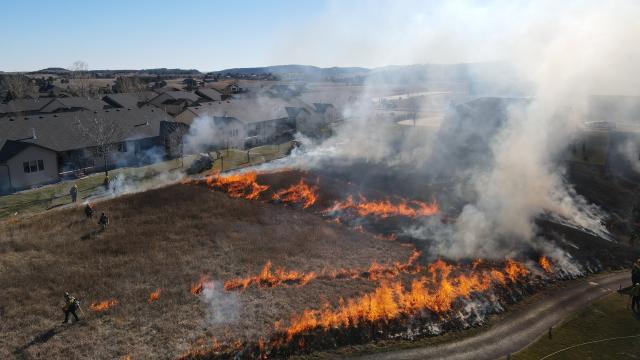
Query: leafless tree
{"x": 174, "y": 140}
{"x": 126, "y": 84}
{"x": 104, "y": 133}
{"x": 81, "y": 80}
{"x": 18, "y": 86}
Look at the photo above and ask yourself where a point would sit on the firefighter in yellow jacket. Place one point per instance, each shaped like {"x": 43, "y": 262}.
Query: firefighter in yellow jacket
{"x": 71, "y": 304}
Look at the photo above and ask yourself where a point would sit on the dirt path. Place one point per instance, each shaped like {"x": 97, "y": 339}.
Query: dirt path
{"x": 521, "y": 327}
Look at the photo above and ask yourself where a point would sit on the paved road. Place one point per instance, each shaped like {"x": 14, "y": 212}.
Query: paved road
{"x": 519, "y": 328}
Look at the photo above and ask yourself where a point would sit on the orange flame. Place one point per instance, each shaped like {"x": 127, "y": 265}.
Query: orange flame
{"x": 386, "y": 208}
{"x": 240, "y": 185}
{"x": 298, "y": 193}
{"x": 103, "y": 305}
{"x": 154, "y": 295}
{"x": 390, "y": 300}
{"x": 198, "y": 287}
{"x": 268, "y": 278}
{"x": 515, "y": 270}
{"x": 545, "y": 264}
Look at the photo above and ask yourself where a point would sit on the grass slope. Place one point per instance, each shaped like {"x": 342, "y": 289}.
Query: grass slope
{"x": 164, "y": 238}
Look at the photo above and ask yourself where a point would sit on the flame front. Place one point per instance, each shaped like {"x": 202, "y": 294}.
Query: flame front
{"x": 281, "y": 277}
{"x": 391, "y": 299}
{"x": 103, "y": 305}
{"x": 386, "y": 208}
{"x": 298, "y": 193}
{"x": 240, "y": 185}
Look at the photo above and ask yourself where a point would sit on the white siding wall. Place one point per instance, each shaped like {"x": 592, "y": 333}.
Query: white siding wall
{"x": 20, "y": 179}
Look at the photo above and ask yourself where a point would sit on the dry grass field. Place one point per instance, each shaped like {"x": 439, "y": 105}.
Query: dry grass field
{"x": 165, "y": 238}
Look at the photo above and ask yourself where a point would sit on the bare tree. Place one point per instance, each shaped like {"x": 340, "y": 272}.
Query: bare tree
{"x": 126, "y": 84}
{"x": 17, "y": 86}
{"x": 174, "y": 140}
{"x": 104, "y": 133}
{"x": 80, "y": 75}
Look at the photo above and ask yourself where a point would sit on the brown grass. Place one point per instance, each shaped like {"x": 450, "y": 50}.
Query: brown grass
{"x": 165, "y": 239}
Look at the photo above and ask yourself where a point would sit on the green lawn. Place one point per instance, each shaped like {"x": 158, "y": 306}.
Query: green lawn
{"x": 51, "y": 196}
{"x": 607, "y": 318}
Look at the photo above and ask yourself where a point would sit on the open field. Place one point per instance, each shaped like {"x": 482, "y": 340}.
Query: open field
{"x": 166, "y": 239}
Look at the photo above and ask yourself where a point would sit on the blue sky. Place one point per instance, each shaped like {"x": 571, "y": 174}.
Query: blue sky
{"x": 207, "y": 35}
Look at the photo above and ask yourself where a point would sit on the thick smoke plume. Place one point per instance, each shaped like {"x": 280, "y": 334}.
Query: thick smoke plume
{"x": 563, "y": 52}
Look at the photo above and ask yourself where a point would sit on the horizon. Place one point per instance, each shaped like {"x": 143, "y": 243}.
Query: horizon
{"x": 212, "y": 36}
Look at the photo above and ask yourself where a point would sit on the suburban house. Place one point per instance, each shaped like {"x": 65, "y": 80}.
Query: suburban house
{"x": 39, "y": 149}
{"x": 209, "y": 94}
{"x": 23, "y": 106}
{"x": 253, "y": 121}
{"x": 225, "y": 87}
{"x": 173, "y": 102}
{"x": 312, "y": 120}
{"x": 73, "y": 104}
{"x": 129, "y": 100}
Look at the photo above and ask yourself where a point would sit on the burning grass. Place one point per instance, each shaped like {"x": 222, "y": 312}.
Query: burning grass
{"x": 168, "y": 236}
{"x": 384, "y": 208}
{"x": 103, "y": 305}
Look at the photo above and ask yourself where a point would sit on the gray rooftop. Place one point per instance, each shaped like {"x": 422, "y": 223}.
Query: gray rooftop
{"x": 61, "y": 132}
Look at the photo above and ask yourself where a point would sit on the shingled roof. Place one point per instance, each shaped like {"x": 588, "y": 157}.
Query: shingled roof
{"x": 12, "y": 148}
{"x": 74, "y": 103}
{"x": 23, "y": 106}
{"x": 61, "y": 132}
{"x": 129, "y": 100}
{"x": 246, "y": 110}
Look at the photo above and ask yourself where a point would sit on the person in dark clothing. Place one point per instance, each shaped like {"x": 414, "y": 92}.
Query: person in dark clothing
{"x": 74, "y": 193}
{"x": 635, "y": 272}
{"x": 635, "y": 298}
{"x": 71, "y": 304}
{"x": 88, "y": 211}
{"x": 104, "y": 221}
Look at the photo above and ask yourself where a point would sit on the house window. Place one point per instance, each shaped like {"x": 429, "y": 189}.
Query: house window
{"x": 33, "y": 166}
{"x": 122, "y": 147}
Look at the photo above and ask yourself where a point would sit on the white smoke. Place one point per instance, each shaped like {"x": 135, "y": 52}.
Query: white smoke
{"x": 224, "y": 306}
{"x": 564, "y": 52}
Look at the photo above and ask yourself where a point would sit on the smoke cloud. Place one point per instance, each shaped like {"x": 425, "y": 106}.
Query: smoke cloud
{"x": 560, "y": 53}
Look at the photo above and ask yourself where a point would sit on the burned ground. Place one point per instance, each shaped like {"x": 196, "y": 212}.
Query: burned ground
{"x": 166, "y": 239}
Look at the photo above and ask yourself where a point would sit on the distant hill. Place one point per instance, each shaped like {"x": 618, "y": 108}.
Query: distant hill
{"x": 297, "y": 72}
{"x": 486, "y": 78}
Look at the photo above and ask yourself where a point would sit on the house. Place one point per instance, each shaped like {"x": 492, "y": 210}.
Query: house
{"x": 23, "y": 106}
{"x": 226, "y": 87}
{"x": 313, "y": 120}
{"x": 129, "y": 100}
{"x": 259, "y": 120}
{"x": 173, "y": 102}
{"x": 74, "y": 104}
{"x": 209, "y": 94}
{"x": 51, "y": 144}
{"x": 24, "y": 164}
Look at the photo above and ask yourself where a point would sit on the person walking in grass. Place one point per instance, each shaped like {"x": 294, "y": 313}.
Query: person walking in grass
{"x": 88, "y": 211}
{"x": 104, "y": 221}
{"x": 71, "y": 304}
{"x": 74, "y": 193}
